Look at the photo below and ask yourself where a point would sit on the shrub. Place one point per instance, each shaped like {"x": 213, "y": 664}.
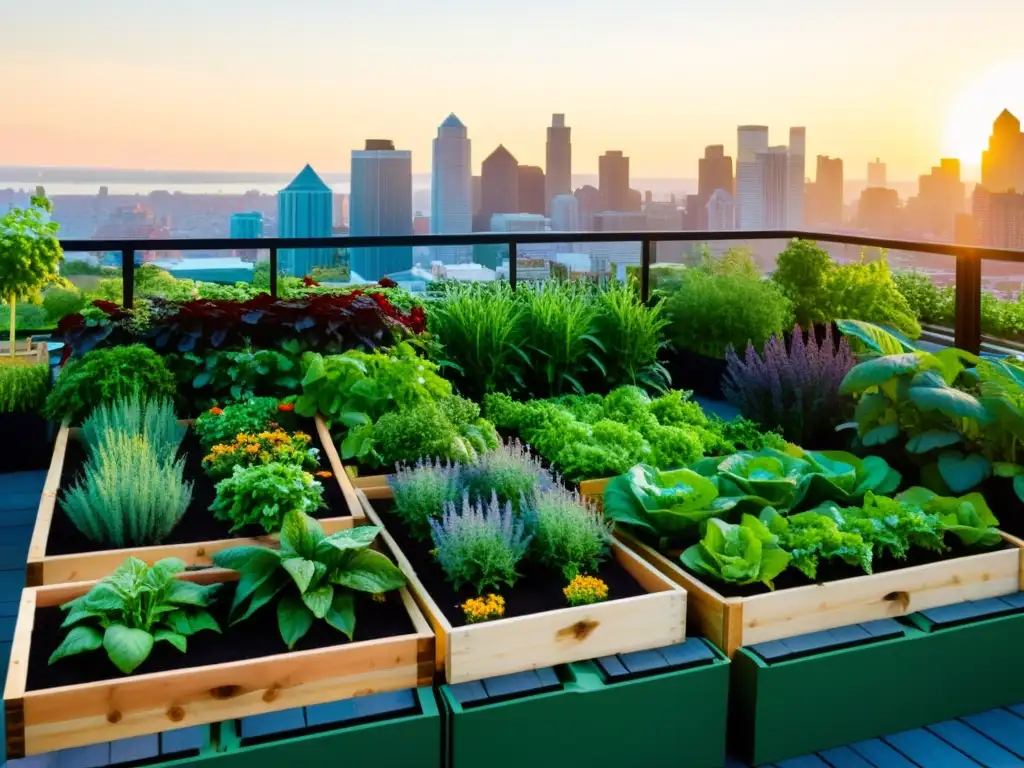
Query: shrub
{"x": 481, "y": 545}
{"x": 153, "y": 420}
{"x": 632, "y": 334}
{"x": 708, "y": 313}
{"x": 422, "y": 490}
{"x": 263, "y": 494}
{"x": 23, "y": 387}
{"x": 569, "y": 533}
{"x": 794, "y": 390}
{"x": 59, "y": 302}
{"x": 103, "y": 376}
{"x": 802, "y": 272}
{"x": 276, "y": 447}
{"x": 222, "y": 425}
{"x": 128, "y": 496}
{"x": 511, "y": 472}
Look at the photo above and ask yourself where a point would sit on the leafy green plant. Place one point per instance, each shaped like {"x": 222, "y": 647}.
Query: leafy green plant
{"x": 480, "y": 544}
{"x": 128, "y": 495}
{"x": 810, "y": 536}
{"x": 421, "y": 491}
{"x": 268, "y": 447}
{"x": 891, "y": 527}
{"x": 747, "y": 553}
{"x": 154, "y": 420}
{"x": 245, "y": 373}
{"x": 134, "y": 608}
{"x": 968, "y": 517}
{"x": 312, "y": 576}
{"x": 447, "y": 429}
{"x": 632, "y": 334}
{"x": 802, "y": 272}
{"x": 569, "y": 533}
{"x": 263, "y": 494}
{"x": 23, "y": 388}
{"x": 219, "y": 426}
{"x": 103, "y": 376}
{"x": 58, "y": 302}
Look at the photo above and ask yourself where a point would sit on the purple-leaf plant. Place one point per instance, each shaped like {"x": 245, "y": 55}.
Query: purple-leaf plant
{"x": 795, "y": 390}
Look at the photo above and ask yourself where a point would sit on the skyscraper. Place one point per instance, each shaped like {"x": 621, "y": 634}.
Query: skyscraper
{"x": 246, "y": 225}
{"x": 1002, "y": 164}
{"x": 773, "y": 172}
{"x": 714, "y": 171}
{"x": 305, "y": 209}
{"x": 826, "y": 206}
{"x": 796, "y": 174}
{"x": 752, "y": 140}
{"x": 721, "y": 211}
{"x": 876, "y": 174}
{"x": 998, "y": 218}
{"x": 531, "y": 190}
{"x": 381, "y": 205}
{"x": 940, "y": 198}
{"x": 558, "y": 160}
{"x": 613, "y": 181}
{"x": 451, "y": 190}
{"x": 499, "y": 187}
{"x": 565, "y": 214}
{"x": 589, "y": 199}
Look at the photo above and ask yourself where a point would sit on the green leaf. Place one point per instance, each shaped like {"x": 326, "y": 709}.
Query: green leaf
{"x": 881, "y": 435}
{"x": 79, "y": 640}
{"x": 103, "y": 597}
{"x": 961, "y": 473}
{"x": 342, "y": 615}
{"x": 875, "y": 338}
{"x": 352, "y": 418}
{"x": 1006, "y": 469}
{"x": 293, "y": 619}
{"x": 870, "y": 408}
{"x": 1018, "y": 486}
{"x": 178, "y": 641}
{"x": 352, "y": 538}
{"x": 932, "y": 439}
{"x": 875, "y": 372}
{"x": 315, "y": 370}
{"x": 201, "y": 380}
{"x": 319, "y": 600}
{"x": 78, "y": 614}
{"x": 262, "y": 595}
{"x": 300, "y": 534}
{"x": 187, "y": 593}
{"x": 249, "y": 559}
{"x": 301, "y": 571}
{"x": 368, "y": 571}
{"x": 126, "y": 647}
{"x": 951, "y": 403}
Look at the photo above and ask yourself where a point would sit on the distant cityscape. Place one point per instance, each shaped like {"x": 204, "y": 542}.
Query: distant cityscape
{"x": 761, "y": 185}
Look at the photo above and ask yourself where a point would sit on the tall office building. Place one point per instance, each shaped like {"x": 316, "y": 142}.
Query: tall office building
{"x": 876, "y": 174}
{"x": 714, "y": 171}
{"x": 940, "y": 198}
{"x": 878, "y": 211}
{"x": 531, "y": 190}
{"x": 721, "y": 211}
{"x": 558, "y": 161}
{"x": 451, "y": 190}
{"x": 825, "y": 205}
{"x": 246, "y": 225}
{"x": 796, "y": 174}
{"x": 773, "y": 171}
{"x": 752, "y": 140}
{"x": 499, "y": 187}
{"x": 305, "y": 208}
{"x": 381, "y": 205}
{"x": 565, "y": 214}
{"x": 607, "y": 256}
{"x": 590, "y": 204}
{"x": 613, "y": 181}
{"x": 1002, "y": 164}
{"x": 998, "y": 218}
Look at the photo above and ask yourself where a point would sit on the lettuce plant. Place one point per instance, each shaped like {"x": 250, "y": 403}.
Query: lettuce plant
{"x": 968, "y": 517}
{"x": 892, "y": 527}
{"x": 312, "y": 576}
{"x": 747, "y": 553}
{"x": 263, "y": 494}
{"x": 810, "y": 536}
{"x": 132, "y": 609}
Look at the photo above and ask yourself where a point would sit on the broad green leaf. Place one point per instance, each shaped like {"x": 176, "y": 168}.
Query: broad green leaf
{"x": 931, "y": 439}
{"x": 127, "y": 647}
{"x": 1018, "y": 486}
{"x": 961, "y": 473}
{"x": 878, "y": 371}
{"x": 80, "y": 639}
{"x": 952, "y": 403}
{"x": 178, "y": 641}
{"x": 188, "y": 593}
{"x": 301, "y": 570}
{"x": 293, "y": 619}
{"x": 102, "y": 597}
{"x": 300, "y": 534}
{"x": 78, "y": 614}
{"x": 881, "y": 435}
{"x": 875, "y": 338}
{"x": 871, "y": 408}
{"x": 319, "y": 600}
{"x": 315, "y": 370}
{"x": 342, "y": 614}
{"x": 262, "y": 595}
{"x": 352, "y": 418}
{"x": 352, "y": 538}
{"x": 368, "y": 571}
{"x": 621, "y": 505}
{"x": 248, "y": 560}
{"x": 1006, "y": 469}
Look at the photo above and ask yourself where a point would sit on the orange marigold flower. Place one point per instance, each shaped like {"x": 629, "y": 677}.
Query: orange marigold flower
{"x": 252, "y": 448}
{"x": 216, "y": 411}
{"x": 324, "y": 474}
{"x": 286, "y": 407}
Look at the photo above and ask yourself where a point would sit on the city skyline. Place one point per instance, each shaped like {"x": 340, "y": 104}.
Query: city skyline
{"x": 246, "y": 75}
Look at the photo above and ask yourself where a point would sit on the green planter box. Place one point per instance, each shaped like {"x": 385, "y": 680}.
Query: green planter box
{"x": 628, "y": 710}
{"x": 935, "y": 665}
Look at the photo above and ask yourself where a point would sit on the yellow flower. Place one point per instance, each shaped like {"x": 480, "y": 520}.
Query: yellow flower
{"x": 583, "y": 590}
{"x": 478, "y": 609}
{"x": 207, "y": 457}
{"x": 378, "y": 598}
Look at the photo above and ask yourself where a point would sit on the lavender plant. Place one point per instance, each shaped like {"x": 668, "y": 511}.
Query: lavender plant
{"x": 570, "y": 533}
{"x": 511, "y": 471}
{"x": 422, "y": 490}
{"x": 794, "y": 390}
{"x": 479, "y": 544}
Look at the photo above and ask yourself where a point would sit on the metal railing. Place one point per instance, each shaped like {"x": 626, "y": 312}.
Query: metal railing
{"x": 967, "y": 326}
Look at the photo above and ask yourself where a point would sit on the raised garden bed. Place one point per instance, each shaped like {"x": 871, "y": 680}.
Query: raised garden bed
{"x": 646, "y": 611}
{"x": 59, "y": 553}
{"x": 734, "y": 620}
{"x": 239, "y": 673}
{"x": 666, "y": 702}
{"x": 884, "y": 677}
{"x": 31, "y": 449}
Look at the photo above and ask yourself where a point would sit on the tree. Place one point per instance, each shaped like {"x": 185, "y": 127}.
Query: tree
{"x": 30, "y": 253}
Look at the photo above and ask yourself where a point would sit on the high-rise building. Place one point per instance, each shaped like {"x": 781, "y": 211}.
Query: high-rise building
{"x": 714, "y": 171}
{"x": 1002, "y": 164}
{"x": 665, "y": 217}
{"x": 940, "y": 198}
{"x": 499, "y": 187}
{"x": 558, "y": 160}
{"x": 998, "y": 218}
{"x": 524, "y": 222}
{"x": 878, "y": 211}
{"x": 613, "y": 181}
{"x": 305, "y": 209}
{"x": 590, "y": 204}
{"x": 451, "y": 190}
{"x": 476, "y": 194}
{"x": 246, "y": 226}
{"x": 876, "y": 174}
{"x": 752, "y": 140}
{"x": 381, "y": 205}
{"x": 796, "y": 175}
{"x": 773, "y": 172}
{"x": 619, "y": 255}
{"x": 565, "y": 214}
{"x": 721, "y": 211}
{"x": 824, "y": 204}
{"x": 531, "y": 190}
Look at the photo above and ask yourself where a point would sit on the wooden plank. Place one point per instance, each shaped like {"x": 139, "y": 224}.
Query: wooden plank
{"x": 972, "y": 743}
{"x": 1019, "y": 543}
{"x": 1001, "y": 726}
{"x": 340, "y": 475}
{"x": 17, "y": 676}
{"x": 926, "y": 748}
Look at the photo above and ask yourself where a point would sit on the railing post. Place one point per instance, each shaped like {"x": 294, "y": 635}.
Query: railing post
{"x": 273, "y": 272}
{"x": 513, "y": 263}
{"x": 128, "y": 278}
{"x": 967, "y": 333}
{"x": 645, "y": 269}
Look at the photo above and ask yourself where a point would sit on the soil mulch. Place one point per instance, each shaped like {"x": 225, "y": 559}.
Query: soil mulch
{"x": 198, "y": 523}
{"x": 254, "y": 638}
{"x": 538, "y": 589}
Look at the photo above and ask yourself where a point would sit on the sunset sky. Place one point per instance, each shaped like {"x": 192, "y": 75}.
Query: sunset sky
{"x": 267, "y": 85}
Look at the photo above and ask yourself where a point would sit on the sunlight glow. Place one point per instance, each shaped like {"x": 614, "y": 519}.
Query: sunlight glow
{"x": 970, "y": 120}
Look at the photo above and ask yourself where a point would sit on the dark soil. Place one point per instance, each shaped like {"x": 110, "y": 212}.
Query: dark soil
{"x": 198, "y": 523}
{"x": 699, "y": 373}
{"x": 27, "y": 442}
{"x": 1005, "y": 504}
{"x": 537, "y": 590}
{"x": 254, "y": 638}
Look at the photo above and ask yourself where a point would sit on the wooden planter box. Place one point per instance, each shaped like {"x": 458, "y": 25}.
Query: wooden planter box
{"x": 373, "y": 486}
{"x": 556, "y": 637}
{"x": 732, "y": 622}
{"x": 41, "y": 721}
{"x": 87, "y": 566}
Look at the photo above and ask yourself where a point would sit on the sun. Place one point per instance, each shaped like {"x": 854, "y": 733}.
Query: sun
{"x": 975, "y": 109}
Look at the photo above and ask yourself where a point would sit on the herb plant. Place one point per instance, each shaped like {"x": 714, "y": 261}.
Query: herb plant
{"x": 928, "y": 302}
{"x": 154, "y": 420}
{"x": 262, "y": 494}
{"x": 632, "y": 334}
{"x": 569, "y": 533}
{"x": 23, "y": 387}
{"x": 747, "y": 553}
{"x": 422, "y": 490}
{"x": 312, "y": 576}
{"x": 222, "y": 425}
{"x": 448, "y": 429}
{"x": 891, "y": 527}
{"x": 267, "y": 447}
{"x": 511, "y": 471}
{"x": 132, "y": 609}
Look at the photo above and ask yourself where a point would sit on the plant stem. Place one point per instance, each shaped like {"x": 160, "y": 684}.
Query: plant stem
{"x": 13, "y": 303}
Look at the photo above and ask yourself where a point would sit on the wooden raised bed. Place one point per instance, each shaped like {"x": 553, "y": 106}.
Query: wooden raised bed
{"x": 44, "y": 720}
{"x": 374, "y": 486}
{"x": 86, "y": 566}
{"x": 732, "y": 622}
{"x": 516, "y": 644}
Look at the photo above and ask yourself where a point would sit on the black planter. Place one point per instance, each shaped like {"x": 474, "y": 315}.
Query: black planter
{"x": 690, "y": 370}
{"x": 26, "y": 442}
{"x": 1005, "y": 505}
